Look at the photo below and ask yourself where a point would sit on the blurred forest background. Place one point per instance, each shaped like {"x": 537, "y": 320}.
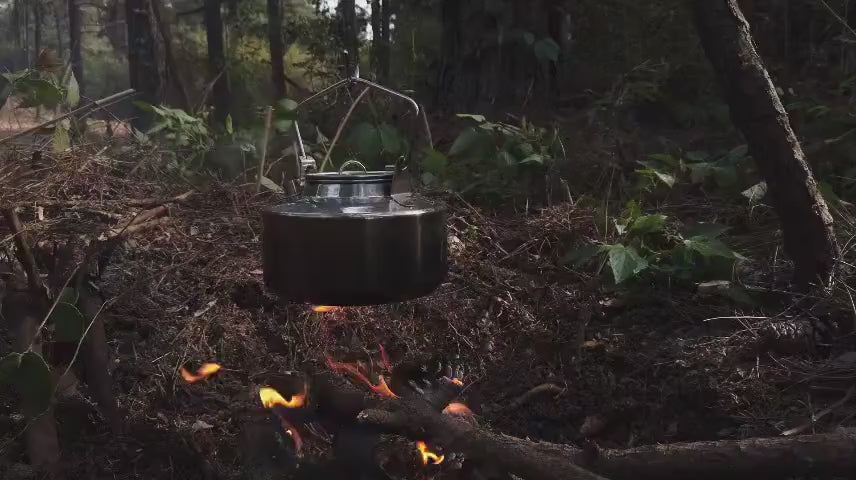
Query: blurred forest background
{"x": 629, "y": 219}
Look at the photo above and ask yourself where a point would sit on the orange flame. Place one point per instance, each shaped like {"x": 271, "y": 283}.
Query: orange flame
{"x": 381, "y": 388}
{"x": 205, "y": 371}
{"x": 457, "y": 408}
{"x": 428, "y": 457}
{"x": 270, "y": 397}
{"x": 457, "y": 381}
{"x": 324, "y": 308}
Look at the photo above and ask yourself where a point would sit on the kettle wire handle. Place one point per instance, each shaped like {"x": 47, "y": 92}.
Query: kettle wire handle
{"x": 355, "y": 78}
{"x": 352, "y": 162}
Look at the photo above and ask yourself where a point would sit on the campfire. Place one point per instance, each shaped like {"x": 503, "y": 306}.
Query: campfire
{"x": 297, "y": 411}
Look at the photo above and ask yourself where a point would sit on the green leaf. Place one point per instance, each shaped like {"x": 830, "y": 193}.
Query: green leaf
{"x": 68, "y": 322}
{"x": 37, "y": 92}
{"x": 699, "y": 172}
{"x": 534, "y": 158}
{"x": 69, "y": 295}
{"x": 229, "y": 129}
{"x": 711, "y": 247}
{"x": 144, "y": 106}
{"x": 664, "y": 158}
{"x": 476, "y": 118}
{"x": 506, "y": 158}
{"x": 390, "y": 139}
{"x": 755, "y": 193}
{"x": 435, "y": 162}
{"x": 61, "y": 141}
{"x": 283, "y": 125}
{"x": 653, "y": 170}
{"x": 72, "y": 91}
{"x": 547, "y": 49}
{"x": 528, "y": 38}
{"x": 706, "y": 229}
{"x": 465, "y": 142}
{"x": 364, "y": 138}
{"x": 33, "y": 383}
{"x": 625, "y": 262}
{"x": 287, "y": 105}
{"x": 583, "y": 255}
{"x": 648, "y": 224}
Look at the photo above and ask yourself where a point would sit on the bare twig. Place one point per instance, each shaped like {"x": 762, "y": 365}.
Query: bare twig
{"x": 23, "y": 250}
{"x": 77, "y": 111}
{"x": 543, "y": 389}
{"x": 815, "y": 417}
{"x": 342, "y": 127}
{"x": 263, "y": 153}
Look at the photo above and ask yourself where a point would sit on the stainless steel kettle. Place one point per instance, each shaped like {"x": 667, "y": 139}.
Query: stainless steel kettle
{"x": 349, "y": 240}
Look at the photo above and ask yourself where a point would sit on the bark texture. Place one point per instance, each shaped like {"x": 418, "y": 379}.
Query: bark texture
{"x": 221, "y": 95}
{"x": 75, "y": 40}
{"x": 143, "y": 67}
{"x": 277, "y": 48}
{"x": 757, "y": 112}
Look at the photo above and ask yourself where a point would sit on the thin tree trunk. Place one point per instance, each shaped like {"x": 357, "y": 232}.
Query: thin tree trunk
{"x": 348, "y": 17}
{"x": 277, "y": 48}
{"x": 37, "y": 26}
{"x": 217, "y": 60}
{"x": 143, "y": 67}
{"x": 58, "y": 25}
{"x": 15, "y": 23}
{"x": 171, "y": 61}
{"x": 386, "y": 7}
{"x": 75, "y": 42}
{"x": 377, "y": 37}
{"x": 758, "y": 113}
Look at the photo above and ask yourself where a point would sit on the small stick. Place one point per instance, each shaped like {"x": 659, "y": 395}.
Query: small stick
{"x": 22, "y": 246}
{"x": 542, "y": 389}
{"x": 96, "y": 104}
{"x": 816, "y": 417}
{"x": 342, "y": 128}
{"x": 268, "y": 115}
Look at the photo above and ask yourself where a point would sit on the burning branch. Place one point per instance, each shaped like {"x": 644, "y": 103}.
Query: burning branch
{"x": 203, "y": 373}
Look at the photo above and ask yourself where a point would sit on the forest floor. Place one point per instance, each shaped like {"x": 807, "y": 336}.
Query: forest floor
{"x": 658, "y": 366}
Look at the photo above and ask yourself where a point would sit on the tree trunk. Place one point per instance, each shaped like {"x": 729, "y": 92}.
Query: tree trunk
{"x": 348, "y": 18}
{"x": 217, "y": 61}
{"x": 169, "y": 54}
{"x": 37, "y": 26}
{"x": 377, "y": 37}
{"x": 58, "y": 25}
{"x": 143, "y": 67}
{"x": 386, "y": 7}
{"x": 75, "y": 42}
{"x": 757, "y": 112}
{"x": 277, "y": 48}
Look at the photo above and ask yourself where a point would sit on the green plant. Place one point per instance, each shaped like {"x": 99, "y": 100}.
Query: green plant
{"x": 43, "y": 90}
{"x": 726, "y": 171}
{"x": 187, "y": 134}
{"x": 652, "y": 244}
{"x": 27, "y": 372}
{"x": 494, "y": 160}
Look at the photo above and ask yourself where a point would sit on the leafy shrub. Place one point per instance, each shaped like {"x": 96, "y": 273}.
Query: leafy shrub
{"x": 653, "y": 245}
{"x": 493, "y": 160}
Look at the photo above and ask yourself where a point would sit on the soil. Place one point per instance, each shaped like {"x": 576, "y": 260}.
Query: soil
{"x": 634, "y": 368}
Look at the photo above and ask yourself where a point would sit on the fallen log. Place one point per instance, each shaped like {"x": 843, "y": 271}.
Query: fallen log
{"x": 419, "y": 417}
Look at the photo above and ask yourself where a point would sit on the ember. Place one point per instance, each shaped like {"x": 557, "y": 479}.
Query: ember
{"x": 271, "y": 397}
{"x": 204, "y": 371}
{"x": 324, "y": 308}
{"x": 381, "y": 388}
{"x": 428, "y": 457}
